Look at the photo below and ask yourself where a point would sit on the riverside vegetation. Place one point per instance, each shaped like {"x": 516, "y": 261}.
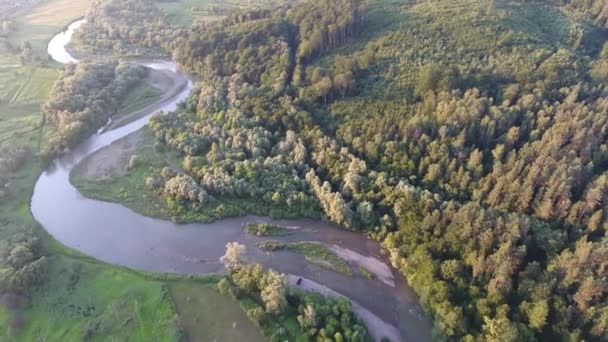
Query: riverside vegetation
{"x": 467, "y": 136}
{"x": 48, "y": 292}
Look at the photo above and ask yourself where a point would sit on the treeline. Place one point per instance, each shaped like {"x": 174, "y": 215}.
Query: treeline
{"x": 265, "y": 46}
{"x": 319, "y": 318}
{"x": 22, "y": 267}
{"x": 83, "y": 99}
{"x": 325, "y": 25}
{"x": 258, "y": 49}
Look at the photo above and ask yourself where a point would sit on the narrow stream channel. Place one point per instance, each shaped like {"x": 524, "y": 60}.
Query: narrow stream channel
{"x": 115, "y": 234}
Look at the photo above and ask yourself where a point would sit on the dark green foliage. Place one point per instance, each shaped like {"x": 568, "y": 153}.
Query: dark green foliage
{"x": 323, "y": 318}
{"x": 318, "y": 317}
{"x": 83, "y": 99}
{"x": 22, "y": 264}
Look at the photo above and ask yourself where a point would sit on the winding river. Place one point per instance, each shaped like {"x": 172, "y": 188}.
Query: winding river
{"x": 115, "y": 234}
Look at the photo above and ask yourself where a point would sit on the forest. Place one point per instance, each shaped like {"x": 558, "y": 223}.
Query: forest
{"x": 468, "y": 137}
{"x": 479, "y": 163}
{"x": 125, "y": 27}
{"x": 83, "y": 99}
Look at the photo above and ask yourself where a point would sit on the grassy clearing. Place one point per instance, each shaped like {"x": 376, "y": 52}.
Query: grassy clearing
{"x": 314, "y": 252}
{"x": 38, "y": 23}
{"x": 83, "y": 300}
{"x": 139, "y": 97}
{"x": 320, "y": 255}
{"x": 38, "y": 86}
{"x": 207, "y": 315}
{"x": 186, "y": 12}
{"x": 130, "y": 189}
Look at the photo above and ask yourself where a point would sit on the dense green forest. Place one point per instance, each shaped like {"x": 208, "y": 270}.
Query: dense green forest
{"x": 83, "y": 99}
{"x": 125, "y": 27}
{"x": 150, "y": 28}
{"x": 469, "y": 137}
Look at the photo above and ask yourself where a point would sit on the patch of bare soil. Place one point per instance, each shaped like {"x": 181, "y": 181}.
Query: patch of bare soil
{"x": 112, "y": 160}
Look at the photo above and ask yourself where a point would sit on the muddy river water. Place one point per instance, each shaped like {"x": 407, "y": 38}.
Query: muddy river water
{"x": 115, "y": 234}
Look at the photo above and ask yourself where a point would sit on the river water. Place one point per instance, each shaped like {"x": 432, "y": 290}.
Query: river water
{"x": 115, "y": 234}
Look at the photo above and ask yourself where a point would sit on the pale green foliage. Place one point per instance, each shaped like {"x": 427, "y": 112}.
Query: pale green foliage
{"x": 273, "y": 292}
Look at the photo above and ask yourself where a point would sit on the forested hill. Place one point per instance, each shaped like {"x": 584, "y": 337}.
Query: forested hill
{"x": 468, "y": 136}
{"x": 264, "y": 46}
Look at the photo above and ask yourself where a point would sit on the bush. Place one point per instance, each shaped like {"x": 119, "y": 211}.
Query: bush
{"x": 134, "y": 161}
{"x": 271, "y": 245}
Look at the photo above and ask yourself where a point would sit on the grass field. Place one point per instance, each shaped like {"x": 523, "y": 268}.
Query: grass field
{"x": 139, "y": 97}
{"x": 85, "y": 300}
{"x": 186, "y": 12}
{"x": 206, "y": 315}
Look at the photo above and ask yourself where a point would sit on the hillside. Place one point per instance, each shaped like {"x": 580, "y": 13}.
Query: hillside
{"x": 469, "y": 137}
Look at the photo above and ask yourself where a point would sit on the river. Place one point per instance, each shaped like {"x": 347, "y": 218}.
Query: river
{"x": 115, "y": 234}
